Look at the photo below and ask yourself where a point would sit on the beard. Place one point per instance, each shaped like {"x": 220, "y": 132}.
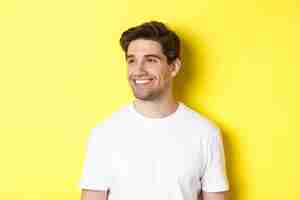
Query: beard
{"x": 146, "y": 94}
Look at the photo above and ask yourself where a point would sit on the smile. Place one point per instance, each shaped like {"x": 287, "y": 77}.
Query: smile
{"x": 142, "y": 81}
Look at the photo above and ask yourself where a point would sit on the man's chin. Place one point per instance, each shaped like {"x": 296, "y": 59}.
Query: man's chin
{"x": 144, "y": 97}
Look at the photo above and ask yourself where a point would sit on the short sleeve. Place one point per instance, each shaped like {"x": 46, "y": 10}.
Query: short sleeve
{"x": 97, "y": 171}
{"x": 215, "y": 178}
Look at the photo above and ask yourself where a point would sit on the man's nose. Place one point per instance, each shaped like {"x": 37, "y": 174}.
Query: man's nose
{"x": 140, "y": 67}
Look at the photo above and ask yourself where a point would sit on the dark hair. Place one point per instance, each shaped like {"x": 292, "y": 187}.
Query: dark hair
{"x": 155, "y": 31}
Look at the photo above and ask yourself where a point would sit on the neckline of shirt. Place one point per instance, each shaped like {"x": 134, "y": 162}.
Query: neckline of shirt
{"x": 157, "y": 119}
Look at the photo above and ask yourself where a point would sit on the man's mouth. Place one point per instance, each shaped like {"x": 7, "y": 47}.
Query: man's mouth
{"x": 142, "y": 81}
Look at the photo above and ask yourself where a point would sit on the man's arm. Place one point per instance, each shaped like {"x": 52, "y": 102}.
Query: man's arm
{"x": 93, "y": 195}
{"x": 214, "y": 195}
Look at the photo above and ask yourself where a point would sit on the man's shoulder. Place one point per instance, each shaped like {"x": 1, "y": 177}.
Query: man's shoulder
{"x": 113, "y": 123}
{"x": 199, "y": 121}
{"x": 115, "y": 117}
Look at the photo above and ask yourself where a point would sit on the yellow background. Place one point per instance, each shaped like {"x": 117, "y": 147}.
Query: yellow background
{"x": 62, "y": 70}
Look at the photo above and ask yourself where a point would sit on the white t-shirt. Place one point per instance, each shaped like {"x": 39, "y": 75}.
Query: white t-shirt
{"x": 169, "y": 158}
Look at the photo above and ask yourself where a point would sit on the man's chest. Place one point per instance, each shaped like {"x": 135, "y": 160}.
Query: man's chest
{"x": 157, "y": 159}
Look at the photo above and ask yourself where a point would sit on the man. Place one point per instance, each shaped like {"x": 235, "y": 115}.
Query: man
{"x": 155, "y": 148}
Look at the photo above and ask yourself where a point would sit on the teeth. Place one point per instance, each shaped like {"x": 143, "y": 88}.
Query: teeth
{"x": 142, "y": 81}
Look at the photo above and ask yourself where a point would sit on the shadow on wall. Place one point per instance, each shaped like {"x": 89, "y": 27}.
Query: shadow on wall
{"x": 235, "y": 169}
{"x": 194, "y": 63}
{"x": 186, "y": 75}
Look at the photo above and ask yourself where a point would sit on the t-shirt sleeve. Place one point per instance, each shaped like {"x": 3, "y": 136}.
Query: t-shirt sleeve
{"x": 97, "y": 171}
{"x": 215, "y": 178}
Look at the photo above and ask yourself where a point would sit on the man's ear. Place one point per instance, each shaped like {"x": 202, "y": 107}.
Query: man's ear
{"x": 176, "y": 65}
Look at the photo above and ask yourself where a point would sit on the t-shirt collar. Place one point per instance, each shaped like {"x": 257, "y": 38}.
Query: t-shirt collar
{"x": 157, "y": 119}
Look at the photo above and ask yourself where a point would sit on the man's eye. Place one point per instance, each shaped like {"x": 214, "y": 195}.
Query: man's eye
{"x": 130, "y": 61}
{"x": 151, "y": 60}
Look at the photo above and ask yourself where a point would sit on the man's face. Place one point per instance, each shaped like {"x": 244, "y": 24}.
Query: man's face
{"x": 149, "y": 73}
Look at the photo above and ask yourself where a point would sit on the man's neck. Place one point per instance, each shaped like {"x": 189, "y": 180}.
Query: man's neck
{"x": 156, "y": 109}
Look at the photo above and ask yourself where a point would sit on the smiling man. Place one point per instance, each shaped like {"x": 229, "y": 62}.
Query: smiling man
{"x": 155, "y": 148}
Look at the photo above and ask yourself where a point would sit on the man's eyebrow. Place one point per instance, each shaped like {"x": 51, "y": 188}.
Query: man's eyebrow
{"x": 153, "y": 55}
{"x": 129, "y": 56}
{"x": 147, "y": 55}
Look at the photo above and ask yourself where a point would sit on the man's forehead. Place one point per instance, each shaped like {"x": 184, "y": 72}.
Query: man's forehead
{"x": 143, "y": 46}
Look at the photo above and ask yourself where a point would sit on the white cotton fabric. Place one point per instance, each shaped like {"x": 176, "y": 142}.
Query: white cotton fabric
{"x": 169, "y": 158}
